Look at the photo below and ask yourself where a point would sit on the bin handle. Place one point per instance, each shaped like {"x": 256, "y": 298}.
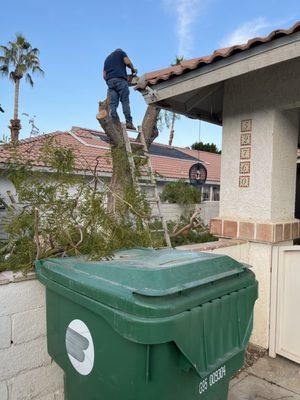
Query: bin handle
{"x": 180, "y": 288}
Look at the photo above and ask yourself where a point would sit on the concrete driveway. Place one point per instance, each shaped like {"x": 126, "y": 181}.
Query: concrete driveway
{"x": 267, "y": 379}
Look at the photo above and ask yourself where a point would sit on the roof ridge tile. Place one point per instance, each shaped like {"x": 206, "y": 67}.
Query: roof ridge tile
{"x": 160, "y": 75}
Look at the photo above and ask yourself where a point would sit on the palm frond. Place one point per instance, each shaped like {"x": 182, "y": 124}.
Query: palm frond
{"x": 4, "y": 60}
{"x": 38, "y": 69}
{"x": 29, "y": 80}
{"x": 35, "y": 51}
{"x": 12, "y": 76}
{"x": 4, "y": 48}
{"x": 20, "y": 59}
{"x": 4, "y": 70}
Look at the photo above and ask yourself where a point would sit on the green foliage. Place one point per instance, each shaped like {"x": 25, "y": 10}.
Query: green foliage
{"x": 210, "y": 147}
{"x": 165, "y": 119}
{"x": 60, "y": 213}
{"x": 177, "y": 61}
{"x": 180, "y": 192}
{"x": 19, "y": 58}
{"x": 191, "y": 237}
{"x": 199, "y": 233}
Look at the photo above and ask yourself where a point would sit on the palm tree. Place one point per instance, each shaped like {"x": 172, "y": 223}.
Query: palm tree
{"x": 19, "y": 59}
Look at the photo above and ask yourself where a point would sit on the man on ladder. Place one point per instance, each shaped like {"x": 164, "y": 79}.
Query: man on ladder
{"x": 115, "y": 75}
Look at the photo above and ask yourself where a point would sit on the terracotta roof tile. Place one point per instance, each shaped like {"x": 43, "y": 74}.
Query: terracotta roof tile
{"x": 154, "y": 77}
{"x": 168, "y": 162}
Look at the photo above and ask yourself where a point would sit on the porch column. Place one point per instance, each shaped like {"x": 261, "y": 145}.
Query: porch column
{"x": 258, "y": 175}
{"x": 258, "y": 179}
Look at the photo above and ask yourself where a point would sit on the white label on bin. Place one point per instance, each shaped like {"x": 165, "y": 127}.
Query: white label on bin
{"x": 80, "y": 347}
{"x": 211, "y": 379}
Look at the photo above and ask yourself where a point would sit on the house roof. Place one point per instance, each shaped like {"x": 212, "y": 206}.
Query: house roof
{"x": 161, "y": 75}
{"x": 91, "y": 149}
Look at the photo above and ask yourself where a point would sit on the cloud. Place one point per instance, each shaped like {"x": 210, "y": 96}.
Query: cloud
{"x": 246, "y": 31}
{"x": 186, "y": 12}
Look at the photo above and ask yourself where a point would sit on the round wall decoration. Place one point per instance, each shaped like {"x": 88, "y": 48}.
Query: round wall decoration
{"x": 197, "y": 174}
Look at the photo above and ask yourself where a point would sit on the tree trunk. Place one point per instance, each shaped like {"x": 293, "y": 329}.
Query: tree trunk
{"x": 121, "y": 176}
{"x": 15, "y": 123}
{"x": 171, "y": 136}
{"x": 149, "y": 124}
{"x": 121, "y": 179}
{"x": 16, "y": 100}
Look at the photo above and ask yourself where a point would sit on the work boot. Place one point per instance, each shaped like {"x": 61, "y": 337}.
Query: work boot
{"x": 129, "y": 125}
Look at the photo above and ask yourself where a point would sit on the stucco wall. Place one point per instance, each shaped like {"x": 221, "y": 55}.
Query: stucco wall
{"x": 26, "y": 370}
{"x": 259, "y": 257}
{"x": 262, "y": 96}
{"x": 173, "y": 212}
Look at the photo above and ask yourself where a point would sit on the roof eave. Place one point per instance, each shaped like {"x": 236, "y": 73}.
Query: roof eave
{"x": 266, "y": 54}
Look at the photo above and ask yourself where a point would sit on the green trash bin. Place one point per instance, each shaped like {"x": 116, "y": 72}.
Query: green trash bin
{"x": 148, "y": 324}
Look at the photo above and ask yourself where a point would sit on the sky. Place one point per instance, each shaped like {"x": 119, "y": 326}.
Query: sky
{"x": 74, "y": 38}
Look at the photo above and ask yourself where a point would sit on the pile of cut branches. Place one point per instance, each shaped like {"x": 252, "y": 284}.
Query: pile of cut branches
{"x": 190, "y": 230}
{"x": 60, "y": 213}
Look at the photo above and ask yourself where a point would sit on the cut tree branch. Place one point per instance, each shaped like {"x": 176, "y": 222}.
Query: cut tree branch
{"x": 194, "y": 223}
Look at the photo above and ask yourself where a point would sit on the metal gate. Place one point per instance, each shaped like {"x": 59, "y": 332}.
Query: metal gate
{"x": 287, "y": 326}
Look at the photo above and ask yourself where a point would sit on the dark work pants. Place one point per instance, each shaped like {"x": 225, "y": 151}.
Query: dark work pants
{"x": 118, "y": 90}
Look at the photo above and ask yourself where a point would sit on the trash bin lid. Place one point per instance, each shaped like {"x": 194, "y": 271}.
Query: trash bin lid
{"x": 136, "y": 274}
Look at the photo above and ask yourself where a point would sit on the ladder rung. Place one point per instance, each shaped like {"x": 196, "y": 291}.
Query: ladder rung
{"x": 148, "y": 169}
{"x": 136, "y": 144}
{"x": 131, "y": 130}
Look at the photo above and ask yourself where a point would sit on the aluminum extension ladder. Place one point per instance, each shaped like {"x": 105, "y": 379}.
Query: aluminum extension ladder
{"x": 150, "y": 174}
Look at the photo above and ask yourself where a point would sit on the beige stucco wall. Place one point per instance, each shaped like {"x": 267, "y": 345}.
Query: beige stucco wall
{"x": 269, "y": 99}
{"x": 259, "y": 257}
{"x": 262, "y": 97}
{"x": 173, "y": 212}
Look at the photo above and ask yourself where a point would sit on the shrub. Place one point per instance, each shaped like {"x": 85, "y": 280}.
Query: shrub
{"x": 181, "y": 192}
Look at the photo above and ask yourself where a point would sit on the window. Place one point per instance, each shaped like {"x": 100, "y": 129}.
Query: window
{"x": 205, "y": 193}
{"x": 216, "y": 193}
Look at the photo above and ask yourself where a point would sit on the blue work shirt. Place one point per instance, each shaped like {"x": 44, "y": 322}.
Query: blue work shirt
{"x": 114, "y": 65}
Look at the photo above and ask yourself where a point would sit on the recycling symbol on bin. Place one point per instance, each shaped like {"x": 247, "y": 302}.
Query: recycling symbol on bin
{"x": 80, "y": 347}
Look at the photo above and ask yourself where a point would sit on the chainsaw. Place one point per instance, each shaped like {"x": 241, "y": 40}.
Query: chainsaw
{"x": 133, "y": 79}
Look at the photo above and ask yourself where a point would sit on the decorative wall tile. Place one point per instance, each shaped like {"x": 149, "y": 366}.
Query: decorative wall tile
{"x": 279, "y": 233}
{"x": 287, "y": 231}
{"x": 246, "y": 139}
{"x": 264, "y": 232}
{"x": 244, "y": 181}
{"x": 246, "y": 125}
{"x": 216, "y": 227}
{"x": 245, "y": 153}
{"x": 230, "y": 229}
{"x": 245, "y": 167}
{"x": 246, "y": 230}
{"x": 295, "y": 229}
